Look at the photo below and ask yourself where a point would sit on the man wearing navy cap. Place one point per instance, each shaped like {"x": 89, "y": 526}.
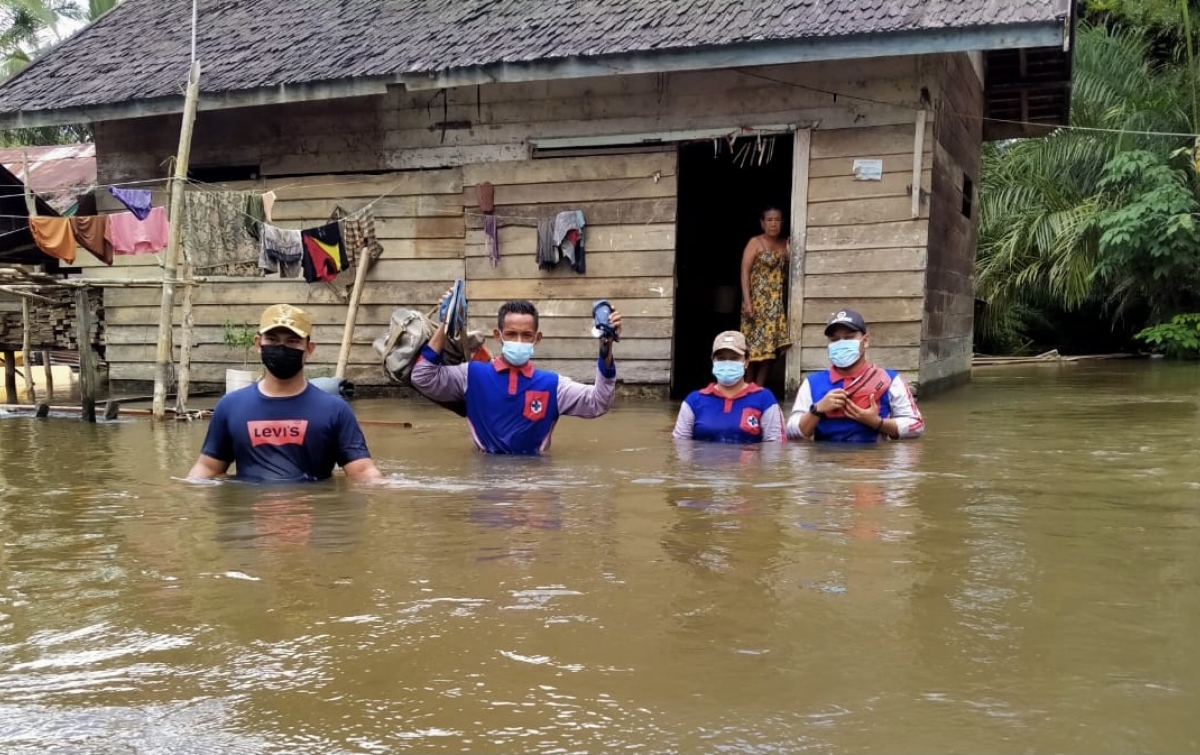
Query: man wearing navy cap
{"x": 853, "y": 401}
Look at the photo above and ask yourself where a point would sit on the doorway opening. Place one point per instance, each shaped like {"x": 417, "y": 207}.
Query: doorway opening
{"x": 720, "y": 198}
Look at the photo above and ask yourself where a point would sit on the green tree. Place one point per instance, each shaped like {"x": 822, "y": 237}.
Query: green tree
{"x": 1101, "y": 216}
{"x": 27, "y": 28}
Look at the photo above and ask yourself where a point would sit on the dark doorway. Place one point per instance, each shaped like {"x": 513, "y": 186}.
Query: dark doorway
{"x": 720, "y": 199}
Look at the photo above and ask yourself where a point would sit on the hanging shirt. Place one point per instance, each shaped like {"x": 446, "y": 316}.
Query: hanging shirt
{"x": 293, "y": 439}
{"x": 512, "y": 410}
{"x": 91, "y": 233}
{"x": 323, "y": 256}
{"x": 136, "y": 201}
{"x": 751, "y": 416}
{"x": 282, "y": 252}
{"x": 54, "y": 237}
{"x": 128, "y": 235}
{"x": 214, "y": 229}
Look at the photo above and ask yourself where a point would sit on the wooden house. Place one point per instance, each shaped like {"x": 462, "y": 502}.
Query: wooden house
{"x": 668, "y": 123}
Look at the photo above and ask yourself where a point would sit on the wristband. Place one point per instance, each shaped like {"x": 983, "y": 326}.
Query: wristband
{"x": 879, "y": 427}
{"x": 812, "y": 409}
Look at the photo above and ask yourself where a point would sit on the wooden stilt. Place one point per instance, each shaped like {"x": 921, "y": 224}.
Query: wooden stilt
{"x": 49, "y": 368}
{"x": 162, "y": 360}
{"x": 42, "y": 411}
{"x": 184, "y": 376}
{"x": 87, "y": 356}
{"x": 10, "y": 377}
{"x": 27, "y": 347}
{"x": 112, "y": 408}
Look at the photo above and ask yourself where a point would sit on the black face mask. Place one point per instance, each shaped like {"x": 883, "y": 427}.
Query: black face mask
{"x": 282, "y": 361}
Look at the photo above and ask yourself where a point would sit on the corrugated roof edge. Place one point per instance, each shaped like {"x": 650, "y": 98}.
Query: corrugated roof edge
{"x": 782, "y": 52}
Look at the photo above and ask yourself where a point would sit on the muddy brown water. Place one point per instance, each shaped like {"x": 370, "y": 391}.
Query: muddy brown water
{"x": 1025, "y": 579}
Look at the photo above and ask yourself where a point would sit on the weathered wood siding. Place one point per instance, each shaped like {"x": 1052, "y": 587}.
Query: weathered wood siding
{"x": 420, "y": 226}
{"x": 864, "y": 249}
{"x": 948, "y": 319}
{"x": 629, "y": 204}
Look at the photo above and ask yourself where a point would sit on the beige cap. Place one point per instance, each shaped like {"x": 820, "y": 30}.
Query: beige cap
{"x": 732, "y": 340}
{"x": 286, "y": 316}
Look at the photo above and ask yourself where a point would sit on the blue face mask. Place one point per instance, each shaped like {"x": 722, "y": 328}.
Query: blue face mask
{"x": 516, "y": 353}
{"x": 845, "y": 352}
{"x": 728, "y": 373}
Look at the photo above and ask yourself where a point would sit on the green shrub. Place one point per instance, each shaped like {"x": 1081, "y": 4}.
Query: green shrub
{"x": 1178, "y": 338}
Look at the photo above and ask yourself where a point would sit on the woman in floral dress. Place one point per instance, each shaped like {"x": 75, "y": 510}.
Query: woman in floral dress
{"x": 764, "y": 317}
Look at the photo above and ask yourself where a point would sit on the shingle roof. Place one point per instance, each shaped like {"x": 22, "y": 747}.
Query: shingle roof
{"x": 141, "y": 49}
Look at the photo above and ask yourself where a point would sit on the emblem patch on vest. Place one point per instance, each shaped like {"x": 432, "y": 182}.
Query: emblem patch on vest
{"x": 751, "y": 421}
{"x": 536, "y": 403}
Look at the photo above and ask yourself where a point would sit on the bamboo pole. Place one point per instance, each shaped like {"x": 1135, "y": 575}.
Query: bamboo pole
{"x": 162, "y": 361}
{"x": 26, "y": 347}
{"x": 360, "y": 277}
{"x": 25, "y": 295}
{"x": 184, "y": 376}
{"x": 87, "y": 356}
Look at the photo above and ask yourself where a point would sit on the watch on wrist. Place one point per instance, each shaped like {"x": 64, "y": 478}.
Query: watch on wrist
{"x": 812, "y": 409}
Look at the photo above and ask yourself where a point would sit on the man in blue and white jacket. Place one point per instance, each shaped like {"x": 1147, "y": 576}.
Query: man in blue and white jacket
{"x": 854, "y": 401}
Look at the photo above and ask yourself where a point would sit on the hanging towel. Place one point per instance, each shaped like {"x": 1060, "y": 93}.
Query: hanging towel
{"x": 358, "y": 234}
{"x": 214, "y": 229}
{"x": 136, "y": 201}
{"x": 54, "y": 237}
{"x": 91, "y": 233}
{"x": 268, "y": 204}
{"x": 128, "y": 235}
{"x": 547, "y": 253}
{"x": 282, "y": 252}
{"x": 256, "y": 215}
{"x": 493, "y": 238}
{"x": 323, "y": 256}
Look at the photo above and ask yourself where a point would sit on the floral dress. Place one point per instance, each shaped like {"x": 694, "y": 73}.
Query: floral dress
{"x": 767, "y": 334}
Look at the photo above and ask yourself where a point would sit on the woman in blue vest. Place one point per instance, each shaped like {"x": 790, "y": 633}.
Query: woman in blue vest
{"x": 730, "y": 410}
{"x": 853, "y": 401}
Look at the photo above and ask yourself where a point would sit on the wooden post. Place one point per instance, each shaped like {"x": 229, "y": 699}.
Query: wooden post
{"x": 799, "y": 238}
{"x": 26, "y": 348}
{"x": 162, "y": 362}
{"x": 87, "y": 356}
{"x": 360, "y": 277}
{"x": 49, "y": 368}
{"x": 918, "y": 158}
{"x": 183, "y": 378}
{"x": 10, "y": 377}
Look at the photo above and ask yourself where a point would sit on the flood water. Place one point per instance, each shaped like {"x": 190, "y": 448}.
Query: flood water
{"x": 1024, "y": 579}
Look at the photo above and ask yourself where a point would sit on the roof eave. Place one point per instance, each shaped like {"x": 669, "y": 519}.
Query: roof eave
{"x": 748, "y": 54}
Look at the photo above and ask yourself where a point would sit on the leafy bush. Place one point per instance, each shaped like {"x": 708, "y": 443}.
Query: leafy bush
{"x": 1178, "y": 338}
{"x": 240, "y": 336}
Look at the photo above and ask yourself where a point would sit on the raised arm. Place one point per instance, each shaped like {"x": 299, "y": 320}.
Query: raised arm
{"x": 435, "y": 380}
{"x": 588, "y": 401}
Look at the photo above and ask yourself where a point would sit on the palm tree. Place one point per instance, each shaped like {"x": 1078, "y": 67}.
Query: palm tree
{"x": 1048, "y": 205}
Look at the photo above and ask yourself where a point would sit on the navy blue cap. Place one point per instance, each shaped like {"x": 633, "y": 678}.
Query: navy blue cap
{"x": 848, "y": 318}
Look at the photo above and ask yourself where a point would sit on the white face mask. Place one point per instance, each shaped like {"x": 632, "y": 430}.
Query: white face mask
{"x": 516, "y": 353}
{"x": 845, "y": 352}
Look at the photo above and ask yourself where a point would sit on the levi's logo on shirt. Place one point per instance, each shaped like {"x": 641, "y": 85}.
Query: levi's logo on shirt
{"x": 278, "y": 432}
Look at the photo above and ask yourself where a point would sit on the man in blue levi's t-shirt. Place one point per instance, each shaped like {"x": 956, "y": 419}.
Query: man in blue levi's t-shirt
{"x": 282, "y": 429}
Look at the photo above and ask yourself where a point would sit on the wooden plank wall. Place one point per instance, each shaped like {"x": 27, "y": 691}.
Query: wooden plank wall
{"x": 420, "y": 226}
{"x": 949, "y": 314}
{"x": 401, "y": 131}
{"x": 864, "y": 249}
{"x": 628, "y": 202}
{"x": 429, "y": 240}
